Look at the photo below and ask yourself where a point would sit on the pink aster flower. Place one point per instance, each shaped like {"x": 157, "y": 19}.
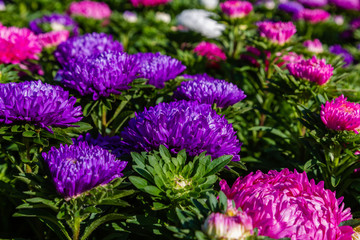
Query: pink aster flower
{"x": 18, "y": 44}
{"x": 341, "y": 115}
{"x": 150, "y": 3}
{"x": 312, "y": 15}
{"x": 314, "y": 46}
{"x": 90, "y": 9}
{"x": 236, "y": 9}
{"x": 314, "y": 70}
{"x": 286, "y": 204}
{"x": 211, "y": 51}
{"x": 277, "y": 32}
{"x": 54, "y": 38}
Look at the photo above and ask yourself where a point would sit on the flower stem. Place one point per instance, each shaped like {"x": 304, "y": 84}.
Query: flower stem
{"x": 103, "y": 120}
{"x": 76, "y": 228}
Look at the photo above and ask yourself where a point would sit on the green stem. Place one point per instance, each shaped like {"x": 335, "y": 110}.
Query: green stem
{"x": 103, "y": 120}
{"x": 76, "y": 228}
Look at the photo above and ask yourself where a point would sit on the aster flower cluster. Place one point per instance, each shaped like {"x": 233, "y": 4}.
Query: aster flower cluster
{"x": 78, "y": 168}
{"x": 90, "y": 9}
{"x": 236, "y": 9}
{"x": 181, "y": 125}
{"x": 313, "y": 70}
{"x": 56, "y": 22}
{"x": 101, "y": 75}
{"x": 277, "y": 32}
{"x": 85, "y": 46}
{"x": 286, "y": 204}
{"x": 341, "y": 115}
{"x": 206, "y": 89}
{"x": 18, "y": 45}
{"x": 39, "y": 103}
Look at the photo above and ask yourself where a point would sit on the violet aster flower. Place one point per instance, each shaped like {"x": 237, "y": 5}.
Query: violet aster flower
{"x": 290, "y": 7}
{"x": 85, "y": 46}
{"x": 341, "y": 115}
{"x": 314, "y": 3}
{"x": 338, "y": 50}
{"x": 76, "y": 169}
{"x": 90, "y": 9}
{"x": 286, "y": 204}
{"x": 181, "y": 125}
{"x": 101, "y": 75}
{"x": 312, "y": 15}
{"x": 355, "y": 24}
{"x": 347, "y": 4}
{"x": 206, "y": 89}
{"x": 236, "y": 9}
{"x": 38, "y": 103}
{"x": 158, "y": 68}
{"x": 277, "y": 32}
{"x": 17, "y": 45}
{"x": 211, "y": 51}
{"x": 314, "y": 46}
{"x": 53, "y": 39}
{"x": 148, "y": 3}
{"x": 55, "y": 22}
{"x": 313, "y": 70}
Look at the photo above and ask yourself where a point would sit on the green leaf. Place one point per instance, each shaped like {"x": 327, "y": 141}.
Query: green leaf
{"x": 165, "y": 154}
{"x": 152, "y": 190}
{"x": 218, "y": 164}
{"x": 138, "y": 182}
{"x": 29, "y": 134}
{"x": 352, "y": 222}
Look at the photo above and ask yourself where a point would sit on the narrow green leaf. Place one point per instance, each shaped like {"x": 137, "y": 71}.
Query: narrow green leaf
{"x": 138, "y": 182}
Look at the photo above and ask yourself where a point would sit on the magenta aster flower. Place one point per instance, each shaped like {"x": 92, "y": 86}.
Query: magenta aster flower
{"x": 347, "y": 4}
{"x": 314, "y": 46}
{"x": 312, "y": 15}
{"x": 341, "y": 115}
{"x": 78, "y": 168}
{"x": 286, "y": 204}
{"x": 181, "y": 125}
{"x": 211, "y": 51}
{"x": 206, "y": 89}
{"x": 17, "y": 45}
{"x": 277, "y": 32}
{"x": 148, "y": 3}
{"x": 53, "y": 39}
{"x": 38, "y": 103}
{"x": 314, "y": 3}
{"x": 236, "y": 9}
{"x": 313, "y": 70}
{"x": 90, "y": 9}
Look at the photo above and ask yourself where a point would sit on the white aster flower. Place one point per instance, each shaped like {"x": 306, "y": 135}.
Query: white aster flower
{"x": 209, "y": 4}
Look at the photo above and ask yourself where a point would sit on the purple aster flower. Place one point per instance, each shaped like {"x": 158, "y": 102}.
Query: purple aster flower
{"x": 277, "y": 32}
{"x": 314, "y": 3}
{"x": 85, "y": 46}
{"x": 158, "y": 68}
{"x": 291, "y": 7}
{"x": 76, "y": 169}
{"x": 100, "y": 75}
{"x": 181, "y": 125}
{"x": 341, "y": 115}
{"x": 287, "y": 205}
{"x": 206, "y": 89}
{"x": 347, "y": 4}
{"x": 355, "y": 24}
{"x": 38, "y": 103}
{"x": 338, "y": 50}
{"x": 313, "y": 70}
{"x": 57, "y": 22}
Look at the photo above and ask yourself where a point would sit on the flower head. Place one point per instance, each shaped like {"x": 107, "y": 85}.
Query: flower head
{"x": 347, "y": 4}
{"x": 205, "y": 89}
{"x": 53, "y": 39}
{"x": 314, "y": 3}
{"x": 90, "y": 9}
{"x": 314, "y": 46}
{"x": 101, "y": 75}
{"x": 312, "y": 15}
{"x": 236, "y": 9}
{"x": 209, "y": 4}
{"x": 277, "y": 32}
{"x": 291, "y": 7}
{"x": 54, "y": 22}
{"x": 338, "y": 50}
{"x": 286, "y": 204}
{"x": 17, "y": 45}
{"x": 150, "y": 3}
{"x": 228, "y": 226}
{"x": 38, "y": 103}
{"x": 85, "y": 46}
{"x": 78, "y": 168}
{"x": 130, "y": 16}
{"x": 211, "y": 51}
{"x": 341, "y": 115}
{"x": 158, "y": 68}
{"x": 199, "y": 20}
{"x": 313, "y": 70}
{"x": 181, "y": 125}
